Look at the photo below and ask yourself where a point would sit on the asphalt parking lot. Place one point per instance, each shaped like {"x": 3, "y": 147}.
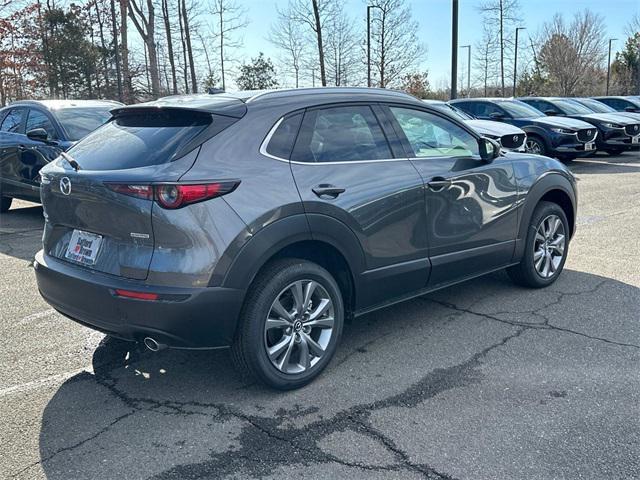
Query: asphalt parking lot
{"x": 482, "y": 380}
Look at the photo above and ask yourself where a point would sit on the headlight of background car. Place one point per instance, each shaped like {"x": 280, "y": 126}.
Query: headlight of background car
{"x": 612, "y": 125}
{"x": 563, "y": 130}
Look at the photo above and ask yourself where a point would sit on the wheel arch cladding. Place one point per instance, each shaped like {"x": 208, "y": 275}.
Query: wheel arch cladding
{"x": 329, "y": 242}
{"x": 552, "y": 187}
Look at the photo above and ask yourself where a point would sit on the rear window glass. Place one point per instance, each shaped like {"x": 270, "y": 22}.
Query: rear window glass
{"x": 12, "y": 121}
{"x": 139, "y": 140}
{"x": 79, "y": 122}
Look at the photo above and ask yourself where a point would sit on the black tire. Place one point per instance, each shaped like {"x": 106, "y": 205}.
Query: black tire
{"x": 525, "y": 272}
{"x": 5, "y": 204}
{"x": 249, "y": 350}
{"x": 536, "y": 145}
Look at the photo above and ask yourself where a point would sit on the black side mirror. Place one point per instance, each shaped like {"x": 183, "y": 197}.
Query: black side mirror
{"x": 632, "y": 109}
{"x": 496, "y": 116}
{"x": 551, "y": 113}
{"x": 38, "y": 134}
{"x": 489, "y": 149}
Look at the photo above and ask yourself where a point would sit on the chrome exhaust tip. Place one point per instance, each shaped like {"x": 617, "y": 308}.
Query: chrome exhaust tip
{"x": 153, "y": 345}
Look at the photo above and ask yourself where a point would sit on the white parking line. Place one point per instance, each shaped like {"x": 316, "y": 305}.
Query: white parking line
{"x": 35, "y": 316}
{"x": 57, "y": 378}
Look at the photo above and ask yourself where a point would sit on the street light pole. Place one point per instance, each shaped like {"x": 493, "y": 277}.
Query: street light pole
{"x": 454, "y": 50}
{"x": 515, "y": 62}
{"x": 468, "y": 47}
{"x": 611, "y": 40}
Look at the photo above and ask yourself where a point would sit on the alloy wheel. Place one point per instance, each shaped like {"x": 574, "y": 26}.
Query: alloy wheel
{"x": 533, "y": 146}
{"x": 299, "y": 326}
{"x": 549, "y": 246}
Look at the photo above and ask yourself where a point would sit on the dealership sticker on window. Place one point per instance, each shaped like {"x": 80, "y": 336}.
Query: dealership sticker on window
{"x": 83, "y": 247}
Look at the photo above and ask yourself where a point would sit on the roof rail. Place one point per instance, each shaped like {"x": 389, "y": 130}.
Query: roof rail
{"x": 312, "y": 90}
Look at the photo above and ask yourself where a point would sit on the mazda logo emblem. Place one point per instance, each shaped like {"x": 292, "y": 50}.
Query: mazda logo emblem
{"x": 635, "y": 128}
{"x": 65, "y": 185}
{"x": 589, "y": 132}
{"x": 515, "y": 138}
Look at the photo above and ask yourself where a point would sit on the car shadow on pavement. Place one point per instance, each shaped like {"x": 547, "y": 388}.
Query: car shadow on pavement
{"x": 628, "y": 162}
{"x": 188, "y": 414}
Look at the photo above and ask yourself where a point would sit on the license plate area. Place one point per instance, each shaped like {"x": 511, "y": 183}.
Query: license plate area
{"x": 635, "y": 140}
{"x": 83, "y": 247}
{"x": 589, "y": 146}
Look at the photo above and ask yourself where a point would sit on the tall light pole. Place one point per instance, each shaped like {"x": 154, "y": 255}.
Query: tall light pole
{"x": 611, "y": 40}
{"x": 468, "y": 47}
{"x": 369, "y": 7}
{"x": 515, "y": 62}
{"x": 454, "y": 49}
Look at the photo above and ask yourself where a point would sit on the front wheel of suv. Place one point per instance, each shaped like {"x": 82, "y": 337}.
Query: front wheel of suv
{"x": 535, "y": 145}
{"x": 546, "y": 247}
{"x": 290, "y": 325}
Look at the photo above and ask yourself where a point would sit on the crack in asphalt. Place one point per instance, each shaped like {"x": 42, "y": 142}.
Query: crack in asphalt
{"x": 265, "y": 443}
{"x": 545, "y": 324}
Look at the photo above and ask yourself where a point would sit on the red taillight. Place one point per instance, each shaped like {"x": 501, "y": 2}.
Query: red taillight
{"x": 137, "y": 295}
{"x": 176, "y": 195}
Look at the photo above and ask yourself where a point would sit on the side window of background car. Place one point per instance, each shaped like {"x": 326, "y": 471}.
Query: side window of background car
{"x": 485, "y": 109}
{"x": 13, "y": 121}
{"x": 36, "y": 119}
{"x": 433, "y": 136}
{"x": 283, "y": 138}
{"x": 341, "y": 134}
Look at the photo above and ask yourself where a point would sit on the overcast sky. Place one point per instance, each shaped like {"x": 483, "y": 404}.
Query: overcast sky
{"x": 434, "y": 17}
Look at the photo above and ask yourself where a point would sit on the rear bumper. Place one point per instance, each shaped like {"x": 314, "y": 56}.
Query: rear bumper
{"x": 202, "y": 318}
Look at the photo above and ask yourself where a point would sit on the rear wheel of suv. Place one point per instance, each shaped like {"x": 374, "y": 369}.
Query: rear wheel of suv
{"x": 291, "y": 324}
{"x": 535, "y": 145}
{"x": 545, "y": 249}
{"x": 5, "y": 204}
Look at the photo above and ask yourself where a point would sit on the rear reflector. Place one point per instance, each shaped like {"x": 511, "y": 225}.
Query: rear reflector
{"x": 137, "y": 295}
{"x": 176, "y": 195}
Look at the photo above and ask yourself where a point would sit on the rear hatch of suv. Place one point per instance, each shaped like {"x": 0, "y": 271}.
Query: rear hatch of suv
{"x": 99, "y": 216}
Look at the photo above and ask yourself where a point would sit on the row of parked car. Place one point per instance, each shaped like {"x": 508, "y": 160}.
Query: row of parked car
{"x": 32, "y": 133}
{"x": 565, "y": 128}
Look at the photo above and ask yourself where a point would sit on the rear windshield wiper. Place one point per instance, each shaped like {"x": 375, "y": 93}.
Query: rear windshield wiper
{"x": 70, "y": 160}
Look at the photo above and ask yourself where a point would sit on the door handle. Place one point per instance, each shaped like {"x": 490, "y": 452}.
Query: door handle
{"x": 22, "y": 148}
{"x": 438, "y": 183}
{"x": 324, "y": 189}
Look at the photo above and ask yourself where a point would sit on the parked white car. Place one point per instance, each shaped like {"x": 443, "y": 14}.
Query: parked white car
{"x": 510, "y": 138}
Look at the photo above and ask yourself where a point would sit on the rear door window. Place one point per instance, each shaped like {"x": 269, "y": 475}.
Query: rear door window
{"x": 140, "y": 139}
{"x": 37, "y": 119}
{"x": 12, "y": 123}
{"x": 341, "y": 134}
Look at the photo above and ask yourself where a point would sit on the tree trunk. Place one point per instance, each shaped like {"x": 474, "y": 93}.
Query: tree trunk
{"x": 222, "y": 47}
{"x": 172, "y": 63}
{"x": 187, "y": 36}
{"x": 124, "y": 42}
{"x": 103, "y": 44}
{"x": 502, "y": 45}
{"x": 184, "y": 51}
{"x": 316, "y": 14}
{"x": 153, "y": 56}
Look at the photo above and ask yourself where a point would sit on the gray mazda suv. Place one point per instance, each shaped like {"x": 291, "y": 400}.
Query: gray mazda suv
{"x": 262, "y": 221}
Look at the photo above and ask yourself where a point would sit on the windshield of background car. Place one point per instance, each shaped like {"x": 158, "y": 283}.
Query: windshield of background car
{"x": 597, "y": 106}
{"x": 521, "y": 110}
{"x": 451, "y": 110}
{"x": 79, "y": 122}
{"x": 572, "y": 108}
{"x": 138, "y": 139}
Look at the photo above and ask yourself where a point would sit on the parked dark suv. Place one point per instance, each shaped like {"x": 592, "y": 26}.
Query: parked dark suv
{"x": 616, "y": 132}
{"x": 564, "y": 138}
{"x": 622, "y": 104}
{"x": 32, "y": 133}
{"x": 263, "y": 221}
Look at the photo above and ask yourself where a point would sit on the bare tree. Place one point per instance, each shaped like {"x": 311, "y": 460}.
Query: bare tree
{"x": 187, "y": 38}
{"x": 314, "y": 14}
{"x": 572, "y": 54}
{"x": 145, "y": 25}
{"x": 484, "y": 57}
{"x": 287, "y": 35}
{"x": 501, "y": 16}
{"x": 231, "y": 18}
{"x": 124, "y": 41}
{"x": 395, "y": 48}
{"x": 166, "y": 17}
{"x": 342, "y": 54}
